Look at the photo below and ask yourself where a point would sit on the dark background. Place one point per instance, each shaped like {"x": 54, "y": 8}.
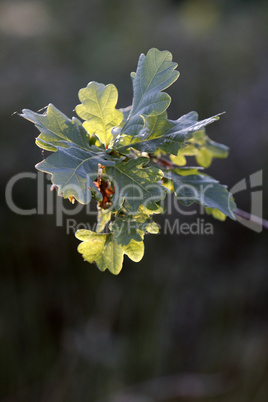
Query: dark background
{"x": 189, "y": 322}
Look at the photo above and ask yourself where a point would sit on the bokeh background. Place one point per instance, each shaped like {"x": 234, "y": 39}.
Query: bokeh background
{"x": 189, "y": 322}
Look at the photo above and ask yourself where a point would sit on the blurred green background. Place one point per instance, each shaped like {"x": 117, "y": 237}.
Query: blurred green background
{"x": 189, "y": 322}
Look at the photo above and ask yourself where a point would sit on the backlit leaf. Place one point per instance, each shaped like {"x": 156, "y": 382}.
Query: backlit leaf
{"x": 167, "y": 135}
{"x": 102, "y": 249}
{"x": 57, "y": 129}
{"x": 155, "y": 72}
{"x": 97, "y": 107}
{"x": 135, "y": 184}
{"x": 74, "y": 170}
{"x": 132, "y": 227}
{"x": 134, "y": 250}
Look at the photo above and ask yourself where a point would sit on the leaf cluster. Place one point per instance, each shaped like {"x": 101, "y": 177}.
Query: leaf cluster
{"x": 128, "y": 159}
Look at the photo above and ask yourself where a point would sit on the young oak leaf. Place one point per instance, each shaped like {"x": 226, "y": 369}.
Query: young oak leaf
{"x": 73, "y": 163}
{"x": 203, "y": 148}
{"x": 132, "y": 227}
{"x": 164, "y": 134}
{"x": 208, "y": 149}
{"x": 103, "y": 249}
{"x": 134, "y": 250}
{"x": 155, "y": 72}
{"x": 97, "y": 108}
{"x": 135, "y": 184}
{"x": 215, "y": 213}
{"x": 126, "y": 229}
{"x": 56, "y": 129}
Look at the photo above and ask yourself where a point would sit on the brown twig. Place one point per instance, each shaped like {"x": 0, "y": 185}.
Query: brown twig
{"x": 163, "y": 162}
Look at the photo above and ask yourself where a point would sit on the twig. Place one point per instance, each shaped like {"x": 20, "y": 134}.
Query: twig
{"x": 171, "y": 165}
{"x": 238, "y": 212}
{"x": 252, "y": 218}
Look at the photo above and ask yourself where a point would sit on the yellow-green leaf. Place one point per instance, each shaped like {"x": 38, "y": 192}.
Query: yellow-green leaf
{"x": 134, "y": 250}
{"x": 102, "y": 249}
{"x": 216, "y": 213}
{"x": 97, "y": 108}
{"x": 92, "y": 244}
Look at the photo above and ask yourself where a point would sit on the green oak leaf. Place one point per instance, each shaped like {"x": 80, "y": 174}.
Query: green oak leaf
{"x": 103, "y": 249}
{"x": 135, "y": 184}
{"x": 167, "y": 135}
{"x": 155, "y": 72}
{"x": 73, "y": 163}
{"x": 104, "y": 217}
{"x": 132, "y": 227}
{"x": 97, "y": 107}
{"x": 57, "y": 129}
{"x": 125, "y": 229}
{"x": 144, "y": 217}
{"x": 74, "y": 170}
{"x": 148, "y": 138}
{"x": 204, "y": 190}
{"x": 125, "y": 111}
